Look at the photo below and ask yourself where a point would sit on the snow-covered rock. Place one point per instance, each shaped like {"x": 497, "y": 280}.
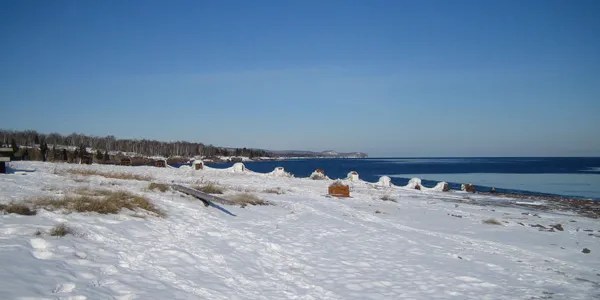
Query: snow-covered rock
{"x": 238, "y": 167}
{"x": 414, "y": 183}
{"x": 353, "y": 176}
{"x": 384, "y": 181}
{"x": 197, "y": 164}
{"x": 280, "y": 172}
{"x": 467, "y": 187}
{"x": 318, "y": 174}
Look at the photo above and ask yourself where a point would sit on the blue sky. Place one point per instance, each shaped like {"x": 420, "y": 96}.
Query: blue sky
{"x": 392, "y": 78}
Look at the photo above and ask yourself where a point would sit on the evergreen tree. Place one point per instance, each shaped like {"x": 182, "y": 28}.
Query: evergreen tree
{"x": 82, "y": 151}
{"x": 99, "y": 155}
{"x": 64, "y": 155}
{"x": 14, "y": 146}
{"x": 44, "y": 151}
{"x": 106, "y": 157}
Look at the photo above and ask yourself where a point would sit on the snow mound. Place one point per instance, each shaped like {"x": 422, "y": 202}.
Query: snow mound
{"x": 353, "y": 176}
{"x": 318, "y": 174}
{"x": 414, "y": 183}
{"x": 280, "y": 172}
{"x": 197, "y": 164}
{"x": 384, "y": 181}
{"x": 307, "y": 245}
{"x": 238, "y": 168}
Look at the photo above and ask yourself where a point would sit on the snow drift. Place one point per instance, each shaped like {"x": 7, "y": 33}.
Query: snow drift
{"x": 421, "y": 245}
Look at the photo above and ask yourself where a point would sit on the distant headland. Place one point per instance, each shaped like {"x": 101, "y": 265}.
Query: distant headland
{"x": 32, "y": 145}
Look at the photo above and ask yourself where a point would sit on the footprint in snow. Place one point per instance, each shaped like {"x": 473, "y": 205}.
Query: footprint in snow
{"x": 467, "y": 279}
{"x": 472, "y": 282}
{"x": 78, "y": 297}
{"x": 40, "y": 248}
{"x": 64, "y": 288}
{"x": 354, "y": 287}
{"x": 125, "y": 297}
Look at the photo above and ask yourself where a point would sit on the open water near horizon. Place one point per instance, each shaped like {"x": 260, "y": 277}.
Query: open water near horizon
{"x": 565, "y": 176}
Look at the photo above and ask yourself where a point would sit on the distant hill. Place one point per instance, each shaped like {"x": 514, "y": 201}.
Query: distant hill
{"x": 31, "y": 138}
{"x": 326, "y": 153}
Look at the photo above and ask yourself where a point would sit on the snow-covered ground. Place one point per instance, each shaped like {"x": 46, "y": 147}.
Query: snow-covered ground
{"x": 427, "y": 245}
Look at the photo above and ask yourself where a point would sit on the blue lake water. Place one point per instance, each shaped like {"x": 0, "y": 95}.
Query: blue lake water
{"x": 567, "y": 176}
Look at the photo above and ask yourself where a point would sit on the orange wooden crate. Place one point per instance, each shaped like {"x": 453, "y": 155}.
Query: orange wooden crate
{"x": 339, "y": 190}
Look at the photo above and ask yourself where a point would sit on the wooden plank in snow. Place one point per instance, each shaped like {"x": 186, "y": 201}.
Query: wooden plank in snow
{"x": 204, "y": 197}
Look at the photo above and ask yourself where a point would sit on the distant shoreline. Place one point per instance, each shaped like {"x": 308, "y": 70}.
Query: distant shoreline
{"x": 339, "y": 170}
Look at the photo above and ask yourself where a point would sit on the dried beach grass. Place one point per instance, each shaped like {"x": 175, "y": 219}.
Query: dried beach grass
{"x": 100, "y": 201}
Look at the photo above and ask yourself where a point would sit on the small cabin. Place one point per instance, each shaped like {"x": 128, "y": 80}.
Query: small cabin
{"x": 236, "y": 159}
{"x": 126, "y": 161}
{"x": 198, "y": 164}
{"x": 384, "y": 181}
{"x": 353, "y": 176}
{"x": 5, "y": 154}
{"x": 86, "y": 159}
{"x": 338, "y": 189}
{"x": 238, "y": 167}
{"x": 160, "y": 163}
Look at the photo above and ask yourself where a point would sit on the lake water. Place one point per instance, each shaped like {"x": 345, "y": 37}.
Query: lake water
{"x": 567, "y": 176}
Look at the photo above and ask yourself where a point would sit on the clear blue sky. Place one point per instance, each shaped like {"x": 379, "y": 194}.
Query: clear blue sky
{"x": 392, "y": 78}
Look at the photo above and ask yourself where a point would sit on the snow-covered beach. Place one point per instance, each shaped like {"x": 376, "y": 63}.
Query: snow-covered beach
{"x": 420, "y": 245}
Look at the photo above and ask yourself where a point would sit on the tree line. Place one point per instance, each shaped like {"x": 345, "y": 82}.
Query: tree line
{"x": 44, "y": 142}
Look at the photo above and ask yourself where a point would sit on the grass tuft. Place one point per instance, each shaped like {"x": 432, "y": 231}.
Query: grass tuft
{"x": 61, "y": 230}
{"x": 388, "y": 198}
{"x": 158, "y": 186}
{"x": 124, "y": 176}
{"x": 277, "y": 190}
{"x": 16, "y": 208}
{"x": 492, "y": 222}
{"x": 100, "y": 201}
{"x": 211, "y": 188}
{"x": 245, "y": 199}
